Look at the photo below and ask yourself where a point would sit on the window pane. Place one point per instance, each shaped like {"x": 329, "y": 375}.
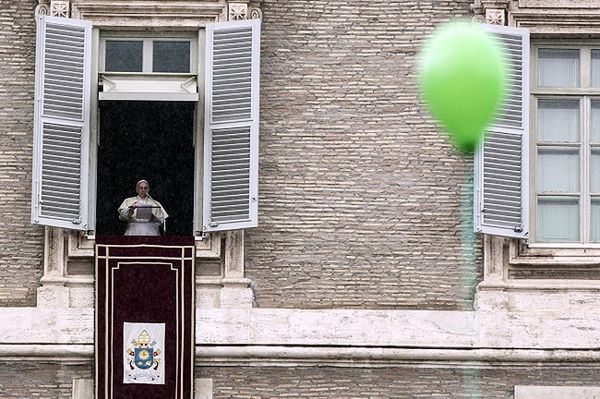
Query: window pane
{"x": 595, "y": 68}
{"x": 558, "y": 120}
{"x": 171, "y": 56}
{"x": 558, "y": 67}
{"x": 558, "y": 170}
{"x": 558, "y": 219}
{"x": 595, "y": 122}
{"x": 595, "y": 220}
{"x": 123, "y": 56}
{"x": 595, "y": 171}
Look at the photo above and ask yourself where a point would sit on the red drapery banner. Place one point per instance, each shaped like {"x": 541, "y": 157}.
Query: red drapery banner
{"x": 144, "y": 317}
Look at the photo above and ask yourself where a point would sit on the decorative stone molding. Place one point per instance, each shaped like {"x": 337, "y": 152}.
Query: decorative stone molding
{"x": 490, "y": 12}
{"x": 236, "y": 291}
{"x": 558, "y": 3}
{"x": 42, "y": 9}
{"x": 238, "y": 11}
{"x": 479, "y": 6}
{"x": 53, "y": 293}
{"x": 255, "y": 13}
{"x": 243, "y": 10}
{"x": 499, "y": 292}
{"x": 565, "y": 17}
{"x": 495, "y": 17}
{"x": 59, "y": 8}
{"x": 138, "y": 14}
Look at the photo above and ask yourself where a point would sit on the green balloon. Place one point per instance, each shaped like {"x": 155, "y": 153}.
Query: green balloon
{"x": 462, "y": 74}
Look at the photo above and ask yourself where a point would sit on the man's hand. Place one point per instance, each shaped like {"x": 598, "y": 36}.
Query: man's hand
{"x": 131, "y": 209}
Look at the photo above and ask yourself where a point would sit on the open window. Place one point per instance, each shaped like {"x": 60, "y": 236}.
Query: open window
{"x": 185, "y": 104}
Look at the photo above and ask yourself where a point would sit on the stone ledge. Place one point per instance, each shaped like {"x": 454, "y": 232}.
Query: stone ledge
{"x": 557, "y": 392}
{"x": 334, "y": 327}
{"x": 261, "y": 355}
{"x": 534, "y": 296}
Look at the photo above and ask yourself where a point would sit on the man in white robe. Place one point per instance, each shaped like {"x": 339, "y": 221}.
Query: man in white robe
{"x": 143, "y": 213}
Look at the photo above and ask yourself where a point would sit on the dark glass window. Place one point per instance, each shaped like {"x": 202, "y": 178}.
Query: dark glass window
{"x": 124, "y": 56}
{"x": 171, "y": 56}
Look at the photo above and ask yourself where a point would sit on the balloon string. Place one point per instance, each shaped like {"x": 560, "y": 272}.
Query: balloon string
{"x": 468, "y": 274}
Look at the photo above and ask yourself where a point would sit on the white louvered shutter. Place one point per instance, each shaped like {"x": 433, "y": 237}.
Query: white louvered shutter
{"x": 501, "y": 164}
{"x": 61, "y": 123}
{"x": 230, "y": 196}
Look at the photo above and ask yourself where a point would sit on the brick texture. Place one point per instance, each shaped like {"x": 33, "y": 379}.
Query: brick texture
{"x": 389, "y": 382}
{"x": 360, "y": 193}
{"x": 40, "y": 380}
{"x": 21, "y": 244}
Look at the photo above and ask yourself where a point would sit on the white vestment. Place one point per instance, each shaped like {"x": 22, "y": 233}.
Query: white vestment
{"x": 144, "y": 222}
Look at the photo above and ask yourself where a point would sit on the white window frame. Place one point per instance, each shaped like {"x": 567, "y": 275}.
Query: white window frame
{"x": 147, "y": 55}
{"x": 585, "y": 94}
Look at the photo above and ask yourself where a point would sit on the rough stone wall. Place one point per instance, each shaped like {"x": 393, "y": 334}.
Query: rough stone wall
{"x": 360, "y": 193}
{"x": 389, "y": 382}
{"x": 27, "y": 380}
{"x": 21, "y": 244}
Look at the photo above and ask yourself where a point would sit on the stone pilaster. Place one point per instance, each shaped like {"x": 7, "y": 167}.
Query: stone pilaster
{"x": 53, "y": 292}
{"x": 236, "y": 291}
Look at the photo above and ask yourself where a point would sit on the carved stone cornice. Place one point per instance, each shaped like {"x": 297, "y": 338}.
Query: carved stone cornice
{"x": 150, "y": 14}
{"x": 557, "y": 21}
{"x": 564, "y": 4}
{"x": 140, "y": 14}
{"x": 542, "y": 17}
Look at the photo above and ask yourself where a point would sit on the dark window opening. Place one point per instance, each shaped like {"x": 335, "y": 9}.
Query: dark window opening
{"x": 146, "y": 140}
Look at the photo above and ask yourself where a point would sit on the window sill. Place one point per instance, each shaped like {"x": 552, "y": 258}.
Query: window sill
{"x": 522, "y": 253}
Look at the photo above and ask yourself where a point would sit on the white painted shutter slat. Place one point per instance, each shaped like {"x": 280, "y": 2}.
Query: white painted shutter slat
{"x": 501, "y": 163}
{"x": 61, "y": 125}
{"x": 230, "y": 196}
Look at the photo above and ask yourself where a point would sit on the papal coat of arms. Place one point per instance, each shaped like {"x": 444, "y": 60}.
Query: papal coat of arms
{"x": 143, "y": 357}
{"x": 145, "y": 353}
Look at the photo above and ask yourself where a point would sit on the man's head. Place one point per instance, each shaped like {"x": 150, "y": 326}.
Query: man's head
{"x": 142, "y": 188}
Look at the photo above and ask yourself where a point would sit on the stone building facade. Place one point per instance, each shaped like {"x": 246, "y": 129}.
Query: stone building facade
{"x": 364, "y": 277}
